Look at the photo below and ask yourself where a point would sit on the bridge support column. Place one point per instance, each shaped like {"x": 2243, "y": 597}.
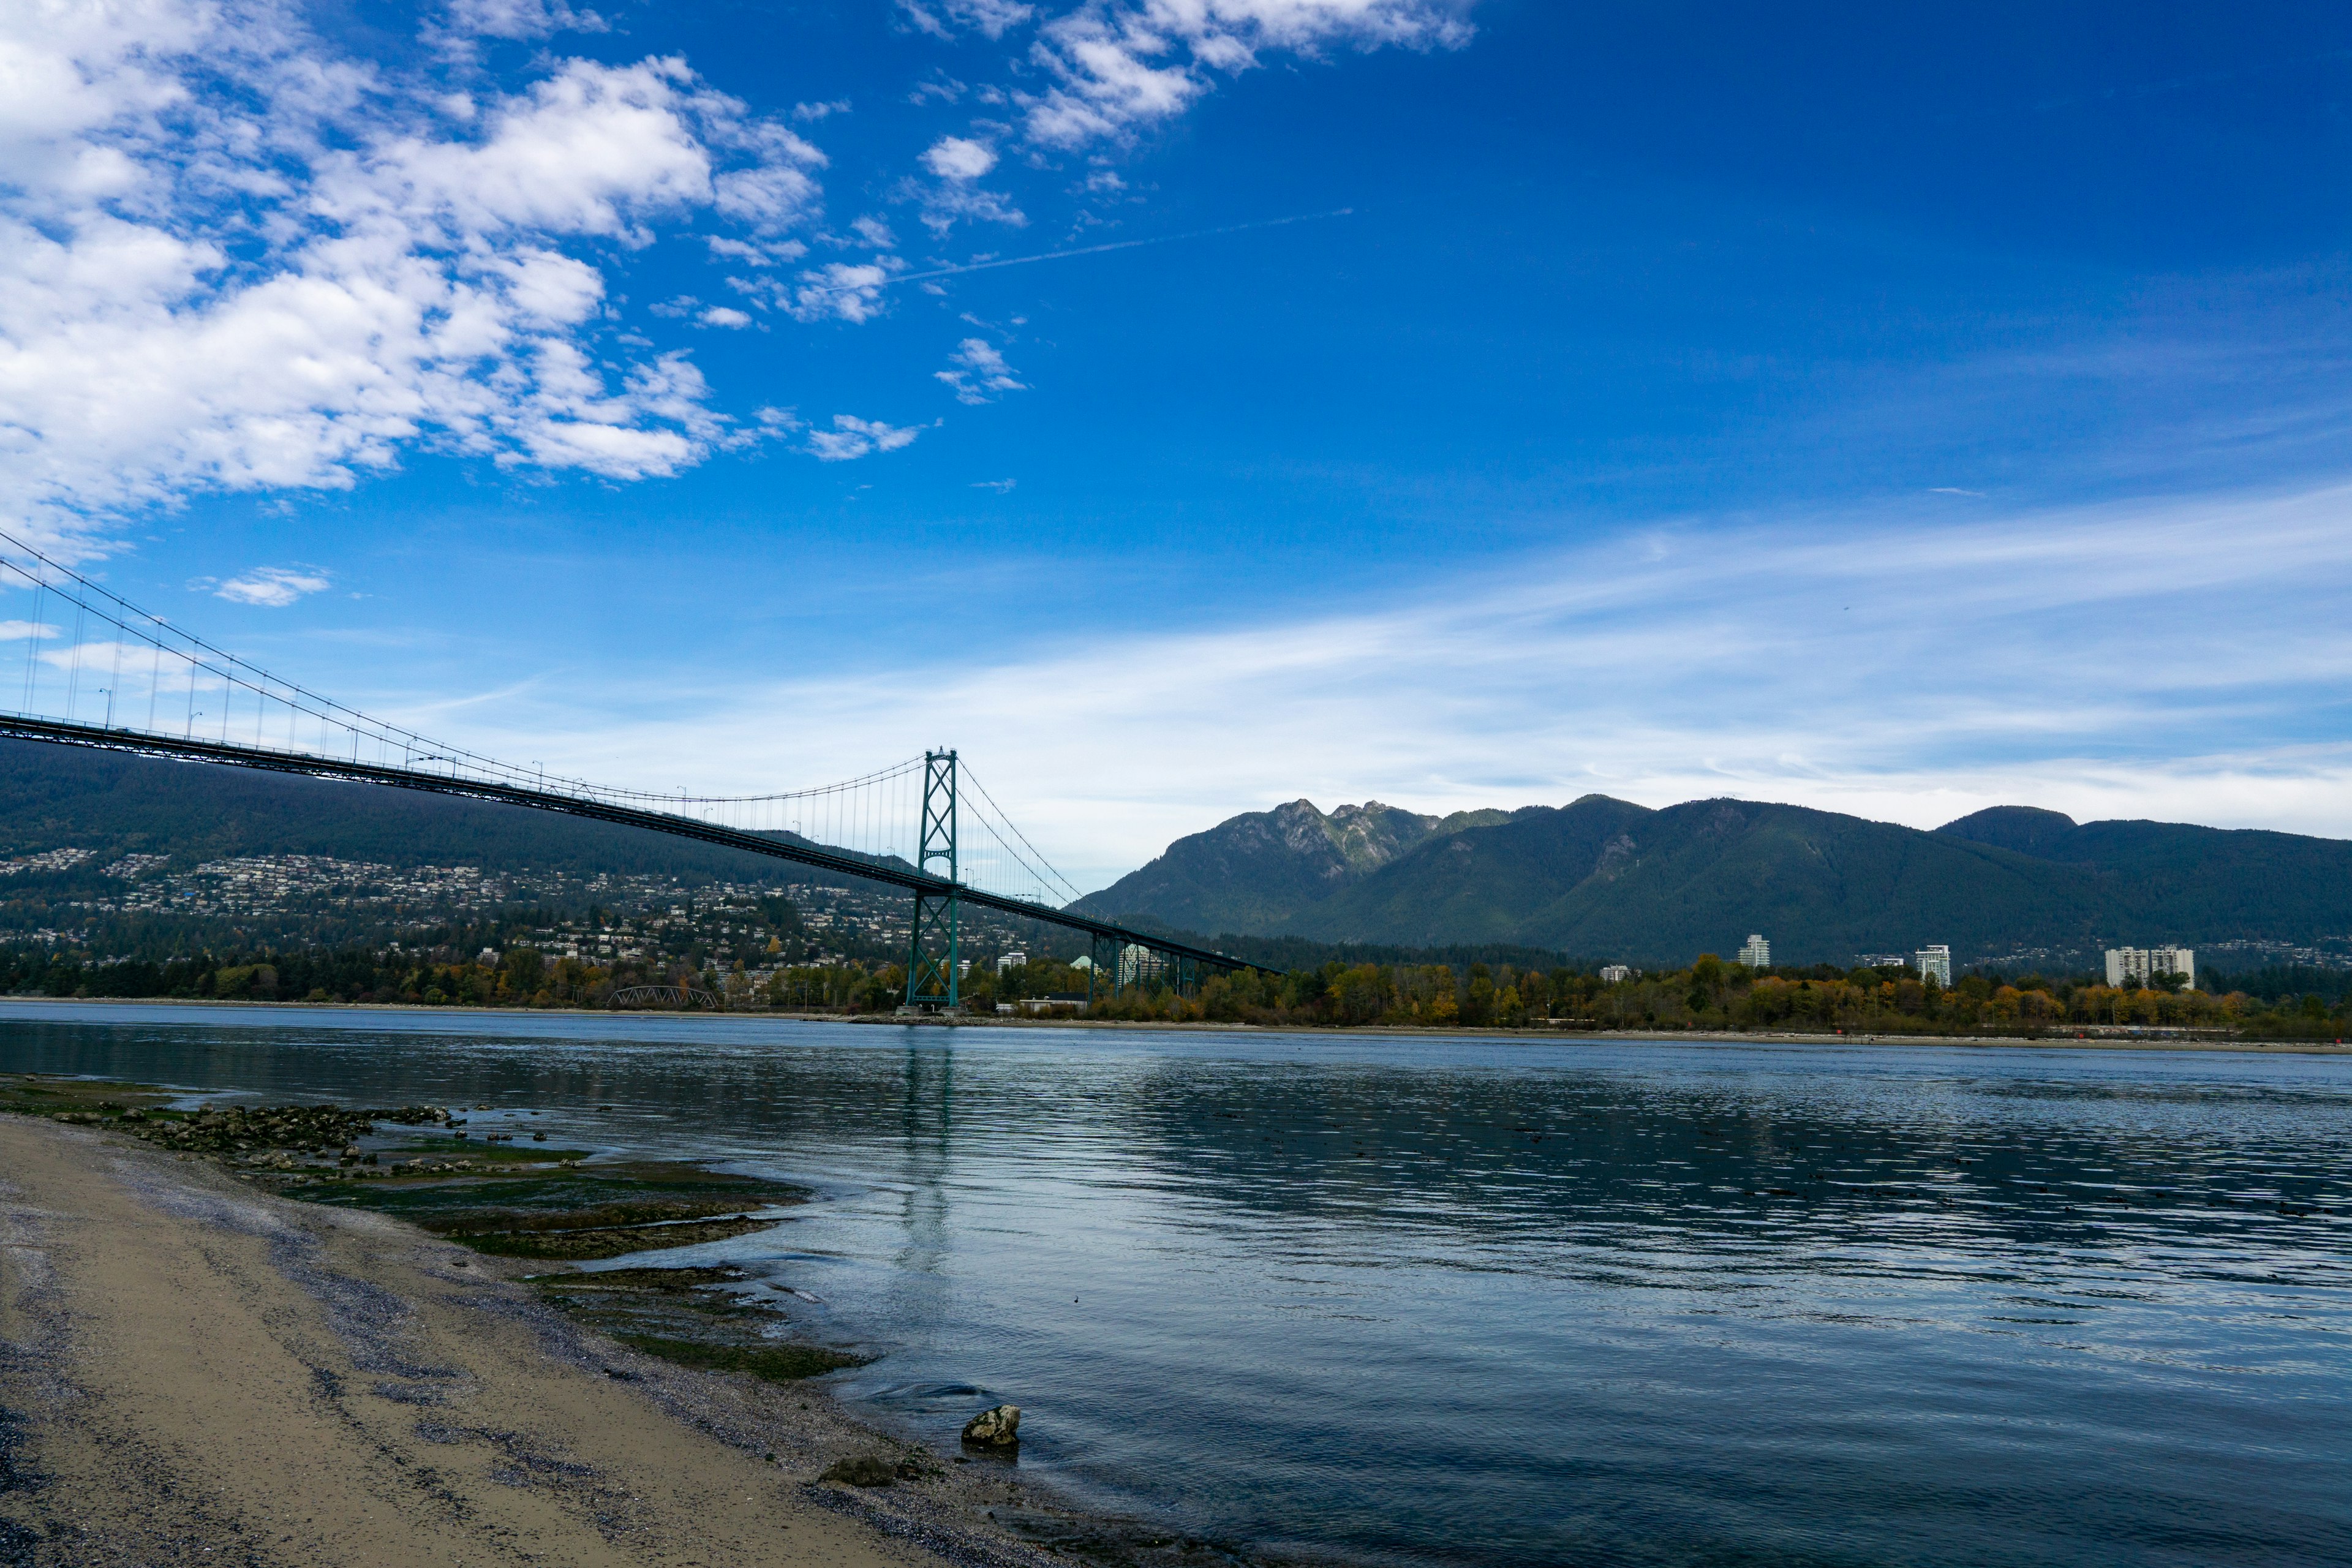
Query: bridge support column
{"x": 933, "y": 967}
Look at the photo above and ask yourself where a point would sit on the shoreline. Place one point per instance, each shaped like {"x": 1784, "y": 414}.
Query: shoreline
{"x": 207, "y": 1368}
{"x": 2109, "y": 1037}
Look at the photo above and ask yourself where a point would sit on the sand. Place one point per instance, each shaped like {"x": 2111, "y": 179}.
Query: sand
{"x": 191, "y": 1371}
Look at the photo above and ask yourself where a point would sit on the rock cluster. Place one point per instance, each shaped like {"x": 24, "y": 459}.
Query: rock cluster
{"x": 996, "y": 1428}
{"x": 238, "y": 1130}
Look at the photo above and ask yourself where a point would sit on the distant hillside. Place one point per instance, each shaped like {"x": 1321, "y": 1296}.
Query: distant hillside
{"x": 1604, "y": 877}
{"x": 1253, "y": 871}
{"x": 54, "y": 797}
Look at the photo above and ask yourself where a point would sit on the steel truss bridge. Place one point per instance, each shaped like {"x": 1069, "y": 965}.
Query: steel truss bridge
{"x": 122, "y": 679}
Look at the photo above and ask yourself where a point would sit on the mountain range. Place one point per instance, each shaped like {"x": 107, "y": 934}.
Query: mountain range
{"x": 1597, "y": 879}
{"x": 1600, "y": 878}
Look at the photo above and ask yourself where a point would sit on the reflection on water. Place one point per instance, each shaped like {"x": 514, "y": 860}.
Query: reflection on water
{"x": 1424, "y": 1300}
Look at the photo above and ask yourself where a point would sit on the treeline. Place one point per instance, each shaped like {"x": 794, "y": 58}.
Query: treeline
{"x": 1710, "y": 994}
{"x": 1714, "y": 996}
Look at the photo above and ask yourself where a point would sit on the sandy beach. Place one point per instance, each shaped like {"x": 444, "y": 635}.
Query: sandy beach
{"x": 193, "y": 1370}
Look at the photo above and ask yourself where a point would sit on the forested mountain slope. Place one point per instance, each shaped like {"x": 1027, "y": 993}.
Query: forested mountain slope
{"x": 55, "y": 797}
{"x": 1603, "y": 878}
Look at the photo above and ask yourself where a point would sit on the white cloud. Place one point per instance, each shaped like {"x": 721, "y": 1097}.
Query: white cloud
{"x": 840, "y": 290}
{"x": 958, "y": 162}
{"x": 273, "y": 586}
{"x": 990, "y": 18}
{"x": 952, "y": 202}
{"x": 959, "y": 158}
{"x": 978, "y": 373}
{"x": 232, "y": 260}
{"x": 1119, "y": 66}
{"x": 517, "y": 19}
{"x": 722, "y": 316}
{"x": 809, "y": 114}
{"x": 22, "y": 631}
{"x": 852, "y": 437}
{"x": 1001, "y": 487}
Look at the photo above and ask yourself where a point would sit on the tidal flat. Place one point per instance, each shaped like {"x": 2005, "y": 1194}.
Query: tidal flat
{"x": 202, "y": 1365}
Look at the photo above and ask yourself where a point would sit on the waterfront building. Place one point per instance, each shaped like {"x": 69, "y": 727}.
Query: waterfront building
{"x": 2139, "y": 965}
{"x": 1934, "y": 963}
{"x": 1758, "y": 953}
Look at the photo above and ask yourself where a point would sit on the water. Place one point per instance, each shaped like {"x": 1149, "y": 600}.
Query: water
{"x": 1489, "y": 1303}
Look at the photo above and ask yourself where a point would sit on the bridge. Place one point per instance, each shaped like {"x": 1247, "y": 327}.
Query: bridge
{"x": 124, "y": 680}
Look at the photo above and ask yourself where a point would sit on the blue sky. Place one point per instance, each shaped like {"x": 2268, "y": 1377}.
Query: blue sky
{"x": 1482, "y": 403}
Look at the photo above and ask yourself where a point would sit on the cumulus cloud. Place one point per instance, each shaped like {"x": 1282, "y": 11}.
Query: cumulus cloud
{"x": 852, "y": 437}
{"x": 722, "y": 316}
{"x": 1116, "y": 65}
{"x": 978, "y": 373}
{"x": 231, "y": 259}
{"x": 272, "y": 586}
{"x": 960, "y": 158}
{"x": 957, "y": 164}
{"x": 839, "y": 292}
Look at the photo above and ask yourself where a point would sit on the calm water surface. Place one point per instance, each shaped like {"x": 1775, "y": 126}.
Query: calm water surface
{"x": 1469, "y": 1301}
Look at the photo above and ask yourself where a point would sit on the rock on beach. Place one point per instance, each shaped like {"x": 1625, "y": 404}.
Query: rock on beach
{"x": 996, "y": 1428}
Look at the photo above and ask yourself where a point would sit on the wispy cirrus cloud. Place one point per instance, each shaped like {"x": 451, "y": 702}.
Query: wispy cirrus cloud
{"x": 979, "y": 373}
{"x": 852, "y": 437}
{"x": 274, "y": 588}
{"x": 2073, "y": 660}
{"x": 1119, "y": 68}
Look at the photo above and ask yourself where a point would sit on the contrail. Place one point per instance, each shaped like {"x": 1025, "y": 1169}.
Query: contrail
{"x": 1082, "y": 250}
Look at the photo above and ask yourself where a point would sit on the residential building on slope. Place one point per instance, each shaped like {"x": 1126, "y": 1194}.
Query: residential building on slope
{"x": 2139, "y": 965}
{"x": 1935, "y": 963}
{"x": 1758, "y": 953}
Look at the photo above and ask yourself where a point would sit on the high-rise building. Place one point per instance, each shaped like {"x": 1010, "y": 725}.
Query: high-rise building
{"x": 1758, "y": 953}
{"x": 1934, "y": 963}
{"x": 2137, "y": 965}
{"x": 1612, "y": 973}
{"x": 1013, "y": 960}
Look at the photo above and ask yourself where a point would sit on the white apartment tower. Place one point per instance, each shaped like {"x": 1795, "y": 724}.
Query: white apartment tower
{"x": 1934, "y": 963}
{"x": 2137, "y": 965}
{"x": 1758, "y": 953}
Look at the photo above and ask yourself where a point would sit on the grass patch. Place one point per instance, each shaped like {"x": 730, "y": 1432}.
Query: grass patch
{"x": 45, "y": 1095}
{"x": 772, "y": 1363}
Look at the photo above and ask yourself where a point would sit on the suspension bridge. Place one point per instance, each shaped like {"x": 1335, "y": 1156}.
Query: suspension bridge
{"x": 100, "y": 671}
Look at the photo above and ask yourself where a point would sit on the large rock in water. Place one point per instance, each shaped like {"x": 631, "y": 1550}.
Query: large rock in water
{"x": 997, "y": 1428}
